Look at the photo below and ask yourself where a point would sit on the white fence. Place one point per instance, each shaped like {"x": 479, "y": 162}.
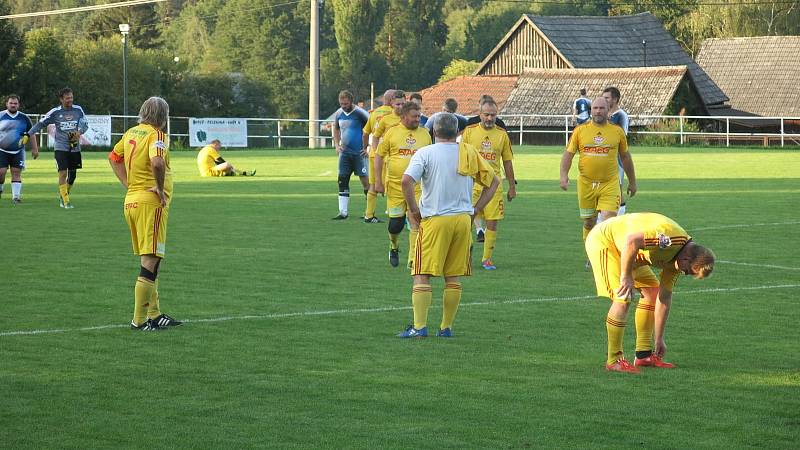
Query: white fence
{"x": 282, "y": 133}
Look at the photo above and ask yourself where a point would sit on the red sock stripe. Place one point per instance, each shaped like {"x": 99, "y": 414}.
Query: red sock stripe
{"x": 156, "y": 227}
{"x": 422, "y": 288}
{"x": 453, "y": 286}
{"x": 418, "y": 252}
{"x": 646, "y": 306}
{"x": 615, "y": 323}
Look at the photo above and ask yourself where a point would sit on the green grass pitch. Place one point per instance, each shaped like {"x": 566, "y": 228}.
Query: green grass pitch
{"x": 290, "y": 340}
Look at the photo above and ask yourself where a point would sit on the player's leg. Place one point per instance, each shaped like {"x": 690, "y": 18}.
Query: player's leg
{"x": 605, "y": 264}
{"x": 429, "y": 257}
{"x": 16, "y": 183}
{"x": 587, "y": 205}
{"x": 480, "y": 233}
{"x": 345, "y": 169}
{"x": 608, "y": 198}
{"x": 75, "y": 163}
{"x": 3, "y": 170}
{"x": 225, "y": 169}
{"x": 372, "y": 196}
{"x": 62, "y": 164}
{"x": 457, "y": 263}
{"x": 493, "y": 213}
{"x": 397, "y": 222}
{"x": 645, "y": 320}
{"x": 413, "y": 230}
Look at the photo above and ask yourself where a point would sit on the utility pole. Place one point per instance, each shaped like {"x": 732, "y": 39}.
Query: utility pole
{"x": 313, "y": 88}
{"x": 124, "y": 29}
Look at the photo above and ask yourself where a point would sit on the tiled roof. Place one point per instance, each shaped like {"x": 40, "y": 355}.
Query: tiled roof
{"x": 645, "y": 91}
{"x": 467, "y": 91}
{"x": 616, "y": 41}
{"x": 759, "y": 74}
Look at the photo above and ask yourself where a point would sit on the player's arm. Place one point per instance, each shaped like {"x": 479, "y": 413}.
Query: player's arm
{"x": 663, "y": 303}
{"x": 633, "y": 243}
{"x": 117, "y": 161}
{"x": 566, "y": 164}
{"x": 407, "y": 185}
{"x": 43, "y": 122}
{"x": 383, "y": 150}
{"x": 159, "y": 168}
{"x": 486, "y": 195}
{"x": 627, "y": 166}
{"x": 337, "y": 139}
{"x": 508, "y": 167}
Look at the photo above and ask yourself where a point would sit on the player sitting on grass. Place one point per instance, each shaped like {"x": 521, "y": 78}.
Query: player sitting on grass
{"x": 211, "y": 164}
{"x": 622, "y": 251}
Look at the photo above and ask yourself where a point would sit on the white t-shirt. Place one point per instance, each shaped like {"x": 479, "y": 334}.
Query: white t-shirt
{"x": 444, "y": 191}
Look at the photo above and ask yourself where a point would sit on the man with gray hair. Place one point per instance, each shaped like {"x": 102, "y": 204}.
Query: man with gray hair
{"x": 447, "y": 171}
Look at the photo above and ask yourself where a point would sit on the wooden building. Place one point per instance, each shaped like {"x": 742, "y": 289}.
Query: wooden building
{"x": 593, "y": 42}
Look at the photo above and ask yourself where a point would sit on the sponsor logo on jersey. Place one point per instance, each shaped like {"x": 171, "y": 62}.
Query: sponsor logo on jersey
{"x": 596, "y": 150}
{"x": 486, "y": 144}
{"x": 406, "y": 151}
{"x": 410, "y": 140}
{"x": 488, "y": 156}
{"x": 598, "y": 139}
{"x": 133, "y": 205}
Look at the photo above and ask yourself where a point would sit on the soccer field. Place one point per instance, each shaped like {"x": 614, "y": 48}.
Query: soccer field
{"x": 290, "y": 340}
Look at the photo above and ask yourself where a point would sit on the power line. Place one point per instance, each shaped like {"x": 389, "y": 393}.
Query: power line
{"x": 121, "y": 4}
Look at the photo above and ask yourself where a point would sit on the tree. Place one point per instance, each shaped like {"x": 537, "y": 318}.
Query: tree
{"x": 42, "y": 71}
{"x": 355, "y": 22}
{"x": 11, "y": 45}
{"x": 144, "y": 22}
{"x": 457, "y": 68}
{"x": 412, "y": 41}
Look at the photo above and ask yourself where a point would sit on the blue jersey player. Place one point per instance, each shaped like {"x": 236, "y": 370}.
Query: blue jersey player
{"x": 14, "y": 127}
{"x": 581, "y": 108}
{"x": 617, "y": 116}
{"x": 348, "y": 138}
{"x": 70, "y": 123}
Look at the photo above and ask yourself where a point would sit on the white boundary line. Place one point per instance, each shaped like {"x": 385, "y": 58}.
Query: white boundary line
{"x": 384, "y": 309}
{"x": 768, "y": 266}
{"x": 746, "y": 225}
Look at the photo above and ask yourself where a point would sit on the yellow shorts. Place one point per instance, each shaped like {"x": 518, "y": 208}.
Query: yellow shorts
{"x": 212, "y": 172}
{"x": 600, "y": 196}
{"x": 396, "y": 205}
{"x": 443, "y": 247}
{"x": 605, "y": 259}
{"x": 148, "y": 225}
{"x": 496, "y": 208}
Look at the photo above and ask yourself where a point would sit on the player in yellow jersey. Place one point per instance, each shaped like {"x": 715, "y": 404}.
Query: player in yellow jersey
{"x": 397, "y": 147}
{"x": 494, "y": 146}
{"x": 211, "y": 164}
{"x": 623, "y": 251}
{"x": 375, "y": 117}
{"x": 598, "y": 142}
{"x": 140, "y": 160}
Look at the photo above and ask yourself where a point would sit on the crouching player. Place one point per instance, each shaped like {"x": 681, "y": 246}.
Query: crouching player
{"x": 622, "y": 251}
{"x": 140, "y": 160}
{"x": 397, "y": 147}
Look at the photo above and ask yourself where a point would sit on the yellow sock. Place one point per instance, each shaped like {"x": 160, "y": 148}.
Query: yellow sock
{"x": 142, "y": 296}
{"x": 585, "y": 233}
{"x": 616, "y": 331}
{"x": 154, "y": 310}
{"x": 372, "y": 201}
{"x": 393, "y": 238}
{"x": 451, "y": 299}
{"x": 645, "y": 321}
{"x": 421, "y": 296}
{"x": 489, "y": 239}
{"x": 412, "y": 243}
{"x": 63, "y": 190}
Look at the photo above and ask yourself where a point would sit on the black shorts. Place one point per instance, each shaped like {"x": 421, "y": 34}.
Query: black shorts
{"x": 12, "y": 159}
{"x": 68, "y": 160}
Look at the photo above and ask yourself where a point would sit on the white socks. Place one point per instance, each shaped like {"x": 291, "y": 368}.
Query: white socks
{"x": 344, "y": 201}
{"x": 16, "y": 189}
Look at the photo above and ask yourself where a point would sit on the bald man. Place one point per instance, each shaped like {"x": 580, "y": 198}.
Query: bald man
{"x": 598, "y": 142}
